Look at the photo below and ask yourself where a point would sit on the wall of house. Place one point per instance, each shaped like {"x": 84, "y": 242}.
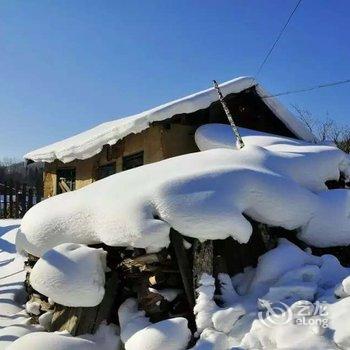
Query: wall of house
{"x": 178, "y": 139}
{"x": 156, "y": 143}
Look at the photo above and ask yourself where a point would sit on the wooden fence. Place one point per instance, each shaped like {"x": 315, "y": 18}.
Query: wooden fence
{"x": 16, "y": 199}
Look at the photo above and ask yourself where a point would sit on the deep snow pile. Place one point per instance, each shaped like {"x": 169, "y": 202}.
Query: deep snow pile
{"x": 71, "y": 274}
{"x": 274, "y": 180}
{"x": 105, "y": 338}
{"x": 308, "y": 164}
{"x": 14, "y": 321}
{"x": 287, "y": 302}
{"x": 137, "y": 332}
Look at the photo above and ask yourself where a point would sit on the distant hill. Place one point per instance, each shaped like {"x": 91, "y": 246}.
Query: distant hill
{"x": 15, "y": 171}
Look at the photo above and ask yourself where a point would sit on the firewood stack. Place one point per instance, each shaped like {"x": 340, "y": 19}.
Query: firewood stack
{"x": 164, "y": 283}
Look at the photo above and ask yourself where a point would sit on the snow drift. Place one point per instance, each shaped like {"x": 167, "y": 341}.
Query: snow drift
{"x": 274, "y": 180}
{"x": 104, "y": 339}
{"x": 251, "y": 319}
{"x": 71, "y": 274}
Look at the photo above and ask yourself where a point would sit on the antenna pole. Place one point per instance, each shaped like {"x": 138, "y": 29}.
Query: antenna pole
{"x": 229, "y": 115}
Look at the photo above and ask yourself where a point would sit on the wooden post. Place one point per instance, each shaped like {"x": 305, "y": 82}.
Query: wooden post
{"x": 23, "y": 200}
{"x": 38, "y": 194}
{"x": 30, "y": 198}
{"x": 5, "y": 199}
{"x": 184, "y": 265}
{"x": 11, "y": 200}
{"x": 1, "y": 201}
{"x": 202, "y": 259}
{"x": 17, "y": 189}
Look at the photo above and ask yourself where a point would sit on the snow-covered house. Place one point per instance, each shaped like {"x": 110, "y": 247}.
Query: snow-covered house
{"x": 162, "y": 132}
{"x": 195, "y": 250}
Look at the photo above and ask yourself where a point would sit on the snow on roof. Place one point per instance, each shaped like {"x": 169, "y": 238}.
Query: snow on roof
{"x": 90, "y": 142}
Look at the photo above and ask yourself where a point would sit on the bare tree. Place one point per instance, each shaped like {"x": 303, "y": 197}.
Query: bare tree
{"x": 327, "y": 130}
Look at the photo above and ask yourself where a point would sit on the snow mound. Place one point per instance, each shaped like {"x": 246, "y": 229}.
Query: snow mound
{"x": 285, "y": 320}
{"x": 105, "y": 338}
{"x": 172, "y": 334}
{"x": 202, "y": 195}
{"x": 212, "y": 340}
{"x": 71, "y": 274}
{"x": 332, "y": 216}
{"x": 308, "y": 164}
{"x": 90, "y": 142}
{"x": 131, "y": 319}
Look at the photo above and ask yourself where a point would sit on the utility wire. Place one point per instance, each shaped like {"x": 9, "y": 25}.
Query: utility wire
{"x": 341, "y": 82}
{"x": 277, "y": 39}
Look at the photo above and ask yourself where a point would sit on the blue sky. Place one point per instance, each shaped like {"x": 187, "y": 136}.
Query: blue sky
{"x": 66, "y": 66}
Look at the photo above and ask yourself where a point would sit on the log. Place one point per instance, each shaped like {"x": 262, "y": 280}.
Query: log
{"x": 65, "y": 318}
{"x": 183, "y": 264}
{"x": 203, "y": 254}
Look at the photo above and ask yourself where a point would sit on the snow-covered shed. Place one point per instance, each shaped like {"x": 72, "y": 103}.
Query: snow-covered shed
{"x": 162, "y": 132}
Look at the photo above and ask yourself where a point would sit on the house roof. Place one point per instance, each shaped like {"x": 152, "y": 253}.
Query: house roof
{"x": 88, "y": 143}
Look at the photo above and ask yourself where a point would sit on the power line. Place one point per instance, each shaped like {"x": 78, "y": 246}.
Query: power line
{"x": 277, "y": 39}
{"x": 340, "y": 82}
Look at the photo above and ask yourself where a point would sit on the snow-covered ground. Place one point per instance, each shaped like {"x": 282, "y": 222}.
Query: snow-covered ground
{"x": 14, "y": 321}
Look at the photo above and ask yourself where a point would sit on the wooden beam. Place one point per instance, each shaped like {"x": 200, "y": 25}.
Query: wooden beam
{"x": 183, "y": 264}
{"x": 202, "y": 260}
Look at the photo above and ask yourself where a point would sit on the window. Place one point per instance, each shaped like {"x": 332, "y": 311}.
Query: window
{"x": 106, "y": 170}
{"x": 65, "y": 180}
{"x": 133, "y": 161}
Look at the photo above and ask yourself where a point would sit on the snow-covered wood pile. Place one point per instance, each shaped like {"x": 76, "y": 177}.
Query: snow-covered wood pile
{"x": 187, "y": 252}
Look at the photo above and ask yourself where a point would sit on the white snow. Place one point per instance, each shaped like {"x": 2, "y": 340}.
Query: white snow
{"x": 211, "y": 340}
{"x": 308, "y": 164}
{"x": 105, "y": 338}
{"x": 14, "y": 321}
{"x": 71, "y": 274}
{"x": 202, "y": 195}
{"x": 131, "y": 319}
{"x": 90, "y": 142}
{"x": 45, "y": 319}
{"x": 251, "y": 327}
{"x": 33, "y": 307}
{"x": 171, "y": 334}
{"x": 205, "y": 306}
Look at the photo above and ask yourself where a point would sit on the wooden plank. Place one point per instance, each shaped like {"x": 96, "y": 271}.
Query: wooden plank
{"x": 183, "y": 264}
{"x": 65, "y": 318}
{"x": 64, "y": 187}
